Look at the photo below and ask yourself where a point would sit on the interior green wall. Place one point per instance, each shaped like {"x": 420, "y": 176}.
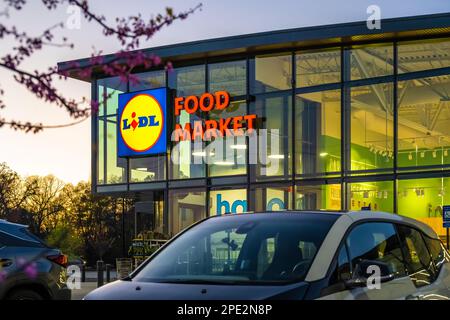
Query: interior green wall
{"x": 409, "y": 204}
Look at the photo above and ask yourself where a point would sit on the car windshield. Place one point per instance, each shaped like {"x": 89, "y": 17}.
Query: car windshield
{"x": 245, "y": 249}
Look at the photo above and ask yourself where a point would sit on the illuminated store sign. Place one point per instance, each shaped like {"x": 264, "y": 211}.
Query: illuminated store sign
{"x": 208, "y": 102}
{"x": 142, "y": 127}
{"x": 142, "y": 120}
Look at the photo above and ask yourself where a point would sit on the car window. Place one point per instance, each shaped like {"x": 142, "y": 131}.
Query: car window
{"x": 418, "y": 260}
{"x": 242, "y": 249}
{"x": 265, "y": 255}
{"x": 342, "y": 270}
{"x": 437, "y": 251}
{"x": 225, "y": 248}
{"x": 376, "y": 241}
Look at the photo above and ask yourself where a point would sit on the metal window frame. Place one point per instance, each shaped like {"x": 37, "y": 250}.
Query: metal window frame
{"x": 345, "y": 177}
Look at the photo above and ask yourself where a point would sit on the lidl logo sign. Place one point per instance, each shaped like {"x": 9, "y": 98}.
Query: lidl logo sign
{"x": 142, "y": 127}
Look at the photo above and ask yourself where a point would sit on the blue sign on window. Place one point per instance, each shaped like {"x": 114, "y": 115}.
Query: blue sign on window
{"x": 142, "y": 123}
{"x": 446, "y": 216}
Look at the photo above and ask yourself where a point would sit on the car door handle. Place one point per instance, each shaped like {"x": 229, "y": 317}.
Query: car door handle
{"x": 413, "y": 297}
{"x": 5, "y": 262}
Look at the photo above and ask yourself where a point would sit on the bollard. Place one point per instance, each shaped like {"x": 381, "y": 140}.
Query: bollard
{"x": 83, "y": 273}
{"x": 108, "y": 273}
{"x": 99, "y": 273}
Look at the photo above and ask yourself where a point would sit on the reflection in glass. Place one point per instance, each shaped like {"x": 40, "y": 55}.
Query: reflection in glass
{"x": 148, "y": 80}
{"x": 101, "y": 152}
{"x": 188, "y": 80}
{"x": 274, "y": 152}
{"x": 318, "y": 197}
{"x": 110, "y": 88}
{"x": 228, "y": 76}
{"x": 231, "y": 159}
{"x": 379, "y": 196}
{"x": 423, "y": 55}
{"x": 318, "y": 67}
{"x": 424, "y": 122}
{"x": 115, "y": 166}
{"x": 318, "y": 132}
{"x": 185, "y": 208}
{"x": 272, "y": 73}
{"x": 272, "y": 198}
{"x": 188, "y": 164}
{"x": 227, "y": 201}
{"x": 423, "y": 199}
{"x": 372, "y": 127}
{"x": 148, "y": 169}
{"x": 371, "y": 61}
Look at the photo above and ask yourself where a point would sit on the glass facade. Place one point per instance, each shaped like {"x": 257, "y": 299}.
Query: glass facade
{"x": 355, "y": 126}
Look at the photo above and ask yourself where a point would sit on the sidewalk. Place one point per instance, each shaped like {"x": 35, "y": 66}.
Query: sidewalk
{"x": 90, "y": 284}
{"x": 86, "y": 287}
{"x": 91, "y": 276}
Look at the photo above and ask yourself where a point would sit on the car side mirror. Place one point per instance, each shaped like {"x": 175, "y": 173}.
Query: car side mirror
{"x": 364, "y": 270}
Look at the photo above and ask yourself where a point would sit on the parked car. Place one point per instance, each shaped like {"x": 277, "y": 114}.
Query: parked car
{"x": 29, "y": 269}
{"x": 293, "y": 255}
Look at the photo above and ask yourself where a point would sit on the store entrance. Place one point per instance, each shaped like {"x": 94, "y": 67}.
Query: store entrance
{"x": 149, "y": 231}
{"x": 149, "y": 213}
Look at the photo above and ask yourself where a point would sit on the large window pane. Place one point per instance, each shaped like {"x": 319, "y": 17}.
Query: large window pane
{"x": 274, "y": 152}
{"x": 148, "y": 80}
{"x": 378, "y": 195}
{"x": 185, "y": 161}
{"x": 110, "y": 88}
{"x": 185, "y": 208}
{"x": 318, "y": 67}
{"x": 424, "y": 122}
{"x": 148, "y": 169}
{"x": 115, "y": 166}
{"x": 371, "y": 61}
{"x": 272, "y": 73}
{"x": 231, "y": 159}
{"x": 227, "y": 201}
{"x": 423, "y": 55}
{"x": 188, "y": 80}
{"x": 101, "y": 152}
{"x": 318, "y": 132}
{"x": 318, "y": 197}
{"x": 422, "y": 199}
{"x": 274, "y": 198}
{"x": 372, "y": 127}
{"x": 228, "y": 76}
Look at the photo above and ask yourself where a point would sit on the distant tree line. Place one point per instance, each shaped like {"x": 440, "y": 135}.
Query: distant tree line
{"x": 66, "y": 216}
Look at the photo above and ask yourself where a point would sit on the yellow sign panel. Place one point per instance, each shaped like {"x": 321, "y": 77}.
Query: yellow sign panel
{"x": 141, "y": 123}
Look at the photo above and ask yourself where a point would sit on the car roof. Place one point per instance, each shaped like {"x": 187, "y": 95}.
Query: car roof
{"x": 356, "y": 216}
{"x": 392, "y": 217}
{"x": 10, "y": 226}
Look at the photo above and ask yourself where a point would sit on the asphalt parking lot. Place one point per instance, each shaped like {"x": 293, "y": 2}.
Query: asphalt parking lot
{"x": 86, "y": 287}
{"x": 90, "y": 284}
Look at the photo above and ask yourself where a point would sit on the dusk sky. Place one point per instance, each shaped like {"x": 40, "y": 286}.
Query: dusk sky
{"x": 66, "y": 152}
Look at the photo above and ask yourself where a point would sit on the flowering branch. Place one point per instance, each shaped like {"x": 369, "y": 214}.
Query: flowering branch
{"x": 128, "y": 31}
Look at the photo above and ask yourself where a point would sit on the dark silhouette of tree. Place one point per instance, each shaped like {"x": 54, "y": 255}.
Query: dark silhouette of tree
{"x": 129, "y": 31}
{"x": 14, "y": 191}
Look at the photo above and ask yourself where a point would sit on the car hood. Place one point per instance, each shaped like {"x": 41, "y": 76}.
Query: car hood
{"x": 133, "y": 290}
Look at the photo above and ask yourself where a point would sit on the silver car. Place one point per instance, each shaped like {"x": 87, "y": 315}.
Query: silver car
{"x": 293, "y": 255}
{"x": 29, "y": 269}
